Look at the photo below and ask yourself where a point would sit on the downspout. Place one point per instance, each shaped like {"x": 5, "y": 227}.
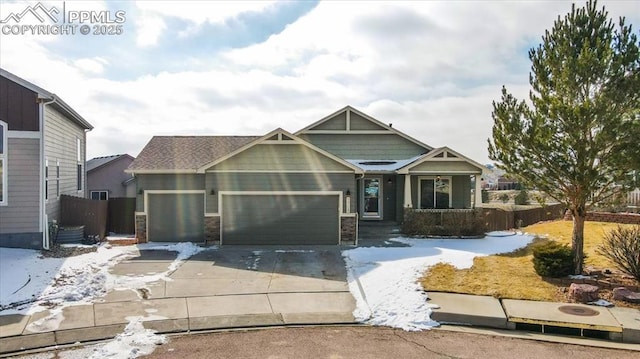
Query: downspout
{"x": 44, "y": 220}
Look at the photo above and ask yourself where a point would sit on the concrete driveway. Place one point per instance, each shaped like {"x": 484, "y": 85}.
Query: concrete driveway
{"x": 228, "y": 287}
{"x": 239, "y": 286}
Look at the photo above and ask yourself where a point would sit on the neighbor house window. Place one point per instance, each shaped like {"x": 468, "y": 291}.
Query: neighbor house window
{"x": 435, "y": 192}
{"x": 46, "y": 180}
{"x": 79, "y": 159}
{"x": 57, "y": 179}
{"x": 79, "y": 176}
{"x": 3, "y": 162}
{"x": 100, "y": 195}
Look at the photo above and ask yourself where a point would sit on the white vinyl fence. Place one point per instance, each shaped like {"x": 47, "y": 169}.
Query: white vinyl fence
{"x": 633, "y": 198}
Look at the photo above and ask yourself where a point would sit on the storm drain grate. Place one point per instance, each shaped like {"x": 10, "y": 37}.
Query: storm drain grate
{"x": 577, "y": 310}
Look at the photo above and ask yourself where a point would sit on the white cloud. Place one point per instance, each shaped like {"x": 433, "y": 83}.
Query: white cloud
{"x": 94, "y": 65}
{"x": 199, "y": 12}
{"x": 431, "y": 68}
{"x": 149, "y": 28}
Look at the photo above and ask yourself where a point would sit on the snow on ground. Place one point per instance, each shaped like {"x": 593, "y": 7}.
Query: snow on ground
{"x": 384, "y": 280}
{"x": 30, "y": 282}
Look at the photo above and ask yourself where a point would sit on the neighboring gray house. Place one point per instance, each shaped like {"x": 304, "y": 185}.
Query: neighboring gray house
{"x": 42, "y": 156}
{"x": 311, "y": 187}
{"x": 106, "y": 177}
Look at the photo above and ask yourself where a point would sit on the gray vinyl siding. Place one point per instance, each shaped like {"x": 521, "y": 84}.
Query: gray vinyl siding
{"x": 281, "y": 157}
{"x": 21, "y": 214}
{"x": 338, "y": 122}
{"x": 366, "y": 147}
{"x": 60, "y": 145}
{"x": 359, "y": 123}
{"x": 277, "y": 182}
{"x": 280, "y": 219}
{"x": 444, "y": 166}
{"x": 166, "y": 182}
{"x": 461, "y": 196}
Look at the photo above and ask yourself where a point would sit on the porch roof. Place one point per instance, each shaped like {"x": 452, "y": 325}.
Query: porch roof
{"x": 382, "y": 166}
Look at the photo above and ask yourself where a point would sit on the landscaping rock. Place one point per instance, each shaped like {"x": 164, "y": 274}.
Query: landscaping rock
{"x": 624, "y": 294}
{"x": 592, "y": 271}
{"x": 583, "y": 293}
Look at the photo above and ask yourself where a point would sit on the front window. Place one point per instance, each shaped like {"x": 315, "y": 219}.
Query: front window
{"x": 3, "y": 162}
{"x": 100, "y": 195}
{"x": 435, "y": 192}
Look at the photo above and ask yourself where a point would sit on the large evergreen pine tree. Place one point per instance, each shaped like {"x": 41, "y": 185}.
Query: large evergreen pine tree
{"x": 578, "y": 138}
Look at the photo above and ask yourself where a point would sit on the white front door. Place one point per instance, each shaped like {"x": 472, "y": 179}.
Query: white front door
{"x": 371, "y": 198}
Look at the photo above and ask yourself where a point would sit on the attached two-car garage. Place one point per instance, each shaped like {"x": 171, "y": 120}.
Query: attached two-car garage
{"x": 266, "y": 218}
{"x": 247, "y": 217}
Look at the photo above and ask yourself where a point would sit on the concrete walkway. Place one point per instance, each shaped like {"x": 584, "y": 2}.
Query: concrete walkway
{"x": 617, "y": 324}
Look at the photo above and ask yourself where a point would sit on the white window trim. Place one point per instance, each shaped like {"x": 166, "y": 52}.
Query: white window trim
{"x": 434, "y": 178}
{"x": 105, "y": 191}
{"x": 3, "y": 158}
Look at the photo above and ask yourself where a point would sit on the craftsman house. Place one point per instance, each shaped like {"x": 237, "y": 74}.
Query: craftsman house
{"x": 42, "y": 156}
{"x": 311, "y": 187}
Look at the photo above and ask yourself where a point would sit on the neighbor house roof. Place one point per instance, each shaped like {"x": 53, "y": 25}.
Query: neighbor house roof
{"x": 43, "y": 94}
{"x": 96, "y": 162}
{"x": 185, "y": 154}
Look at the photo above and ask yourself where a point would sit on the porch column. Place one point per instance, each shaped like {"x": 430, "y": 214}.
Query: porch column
{"x": 478, "y": 192}
{"x": 407, "y": 191}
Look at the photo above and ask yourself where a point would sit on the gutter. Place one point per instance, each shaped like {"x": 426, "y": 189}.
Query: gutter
{"x": 44, "y": 220}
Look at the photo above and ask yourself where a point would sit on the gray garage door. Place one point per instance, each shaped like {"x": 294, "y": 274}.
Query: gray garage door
{"x": 280, "y": 219}
{"x": 176, "y": 217}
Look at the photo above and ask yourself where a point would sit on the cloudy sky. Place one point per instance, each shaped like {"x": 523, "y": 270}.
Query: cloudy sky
{"x": 245, "y": 68}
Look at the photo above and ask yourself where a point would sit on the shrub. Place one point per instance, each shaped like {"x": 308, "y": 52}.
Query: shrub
{"x": 552, "y": 259}
{"x": 504, "y": 198}
{"x": 622, "y": 247}
{"x": 436, "y": 223}
{"x": 522, "y": 198}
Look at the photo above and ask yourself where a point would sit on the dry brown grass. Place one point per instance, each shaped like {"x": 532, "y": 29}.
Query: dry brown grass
{"x": 512, "y": 275}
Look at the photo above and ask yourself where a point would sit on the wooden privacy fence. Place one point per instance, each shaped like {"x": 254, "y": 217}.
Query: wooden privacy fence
{"x": 75, "y": 211}
{"x": 122, "y": 215}
{"x": 498, "y": 219}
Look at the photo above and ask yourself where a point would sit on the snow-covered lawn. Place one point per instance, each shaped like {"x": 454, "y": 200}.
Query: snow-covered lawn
{"x": 384, "y": 281}
{"x": 30, "y": 283}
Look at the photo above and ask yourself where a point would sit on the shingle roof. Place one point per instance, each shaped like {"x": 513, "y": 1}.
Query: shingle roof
{"x": 179, "y": 153}
{"x": 99, "y": 161}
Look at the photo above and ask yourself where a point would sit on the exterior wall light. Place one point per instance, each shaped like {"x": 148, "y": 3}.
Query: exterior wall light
{"x": 213, "y": 192}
